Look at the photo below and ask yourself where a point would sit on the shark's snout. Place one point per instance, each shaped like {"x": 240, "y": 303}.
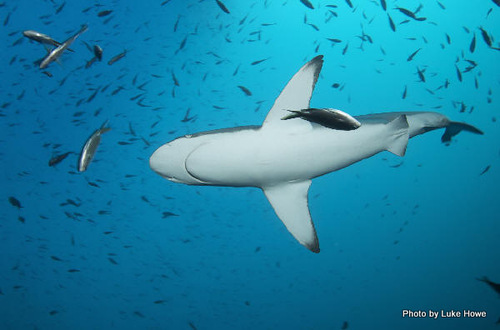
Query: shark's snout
{"x": 169, "y": 161}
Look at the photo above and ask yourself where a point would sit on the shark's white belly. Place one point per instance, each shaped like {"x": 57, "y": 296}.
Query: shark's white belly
{"x": 283, "y": 155}
{"x": 266, "y": 157}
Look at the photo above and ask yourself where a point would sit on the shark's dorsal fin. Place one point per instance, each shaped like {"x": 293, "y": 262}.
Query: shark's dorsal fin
{"x": 289, "y": 201}
{"x": 296, "y": 94}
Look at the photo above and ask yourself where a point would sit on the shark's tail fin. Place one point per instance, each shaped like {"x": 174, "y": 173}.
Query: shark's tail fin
{"x": 454, "y": 128}
{"x": 483, "y": 279}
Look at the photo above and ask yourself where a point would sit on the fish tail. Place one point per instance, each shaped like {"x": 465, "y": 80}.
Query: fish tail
{"x": 293, "y": 114}
{"x": 454, "y": 128}
{"x": 103, "y": 128}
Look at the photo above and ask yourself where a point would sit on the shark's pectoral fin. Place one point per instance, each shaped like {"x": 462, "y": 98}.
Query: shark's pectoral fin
{"x": 398, "y": 135}
{"x": 289, "y": 201}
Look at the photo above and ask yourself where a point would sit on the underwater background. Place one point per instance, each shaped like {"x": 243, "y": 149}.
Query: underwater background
{"x": 118, "y": 246}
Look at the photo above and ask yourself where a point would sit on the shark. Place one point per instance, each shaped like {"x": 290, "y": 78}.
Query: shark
{"x": 283, "y": 155}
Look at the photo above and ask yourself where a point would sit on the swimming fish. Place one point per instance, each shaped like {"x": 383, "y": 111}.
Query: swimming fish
{"x": 410, "y": 14}
{"x": 117, "y": 57}
{"x": 421, "y": 74}
{"x": 90, "y": 147}
{"x": 459, "y": 74}
{"x": 59, "y": 158}
{"x": 331, "y": 118}
{"x": 391, "y": 23}
{"x": 98, "y": 52}
{"x": 493, "y": 285}
{"x": 413, "y": 55}
{"x": 486, "y": 37}
{"x": 245, "y": 90}
{"x": 15, "y": 202}
{"x": 41, "y": 38}
{"x": 97, "y": 56}
{"x": 472, "y": 46}
{"x": 486, "y": 169}
{"x": 307, "y": 3}
{"x": 384, "y": 5}
{"x": 104, "y": 13}
{"x": 222, "y": 6}
{"x": 57, "y": 52}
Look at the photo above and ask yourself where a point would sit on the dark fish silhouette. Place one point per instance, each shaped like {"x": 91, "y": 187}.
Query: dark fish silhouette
{"x": 59, "y": 158}
{"x": 459, "y": 74}
{"x": 493, "y": 285}
{"x": 413, "y": 55}
{"x": 421, "y": 75}
{"x": 472, "y": 46}
{"x": 222, "y": 6}
{"x": 187, "y": 118}
{"x": 104, "y": 13}
{"x": 486, "y": 169}
{"x": 330, "y": 118}
{"x": 15, "y": 202}
{"x": 307, "y": 4}
{"x": 174, "y": 78}
{"x": 117, "y": 57}
{"x": 334, "y": 40}
{"x": 167, "y": 214}
{"x": 391, "y": 23}
{"x": 410, "y": 14}
{"x": 98, "y": 52}
{"x": 384, "y": 5}
{"x": 485, "y": 36}
{"x": 259, "y": 61}
{"x": 245, "y": 90}
{"x": 60, "y": 8}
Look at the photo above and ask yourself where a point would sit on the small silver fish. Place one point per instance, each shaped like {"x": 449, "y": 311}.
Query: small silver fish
{"x": 54, "y": 54}
{"x": 41, "y": 38}
{"x": 90, "y": 147}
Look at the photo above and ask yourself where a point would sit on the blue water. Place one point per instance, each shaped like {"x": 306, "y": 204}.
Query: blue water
{"x": 396, "y": 233}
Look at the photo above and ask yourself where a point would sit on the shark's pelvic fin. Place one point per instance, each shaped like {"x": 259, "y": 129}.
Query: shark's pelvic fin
{"x": 398, "y": 128}
{"x": 289, "y": 201}
{"x": 296, "y": 95}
